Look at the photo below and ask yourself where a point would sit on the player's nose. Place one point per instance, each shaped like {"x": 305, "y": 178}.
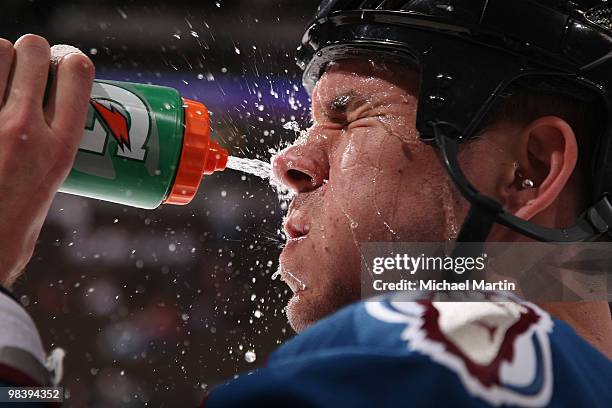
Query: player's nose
{"x": 301, "y": 168}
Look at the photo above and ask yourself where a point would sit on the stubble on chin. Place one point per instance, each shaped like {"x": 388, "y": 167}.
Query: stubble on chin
{"x": 305, "y": 309}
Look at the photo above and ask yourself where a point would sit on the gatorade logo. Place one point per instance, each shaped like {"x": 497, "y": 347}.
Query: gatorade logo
{"x": 116, "y": 122}
{"x": 117, "y": 114}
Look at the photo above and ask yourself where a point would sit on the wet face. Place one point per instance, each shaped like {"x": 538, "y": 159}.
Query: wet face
{"x": 360, "y": 174}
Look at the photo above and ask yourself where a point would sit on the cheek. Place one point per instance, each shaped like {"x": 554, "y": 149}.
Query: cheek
{"x": 366, "y": 176}
{"x": 356, "y": 168}
{"x": 379, "y": 192}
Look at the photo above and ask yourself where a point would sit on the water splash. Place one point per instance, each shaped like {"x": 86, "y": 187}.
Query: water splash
{"x": 294, "y": 126}
{"x": 255, "y": 167}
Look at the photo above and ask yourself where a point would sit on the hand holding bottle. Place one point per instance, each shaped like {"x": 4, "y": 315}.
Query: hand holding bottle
{"x": 38, "y": 142}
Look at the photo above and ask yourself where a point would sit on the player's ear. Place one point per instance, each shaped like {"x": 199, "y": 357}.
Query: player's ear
{"x": 546, "y": 153}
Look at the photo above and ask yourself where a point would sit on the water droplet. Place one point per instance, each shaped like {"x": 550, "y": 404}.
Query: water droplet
{"x": 122, "y": 14}
{"x": 25, "y": 300}
{"x": 250, "y": 356}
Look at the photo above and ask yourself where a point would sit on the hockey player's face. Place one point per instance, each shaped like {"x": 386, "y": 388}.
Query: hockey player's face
{"x": 360, "y": 174}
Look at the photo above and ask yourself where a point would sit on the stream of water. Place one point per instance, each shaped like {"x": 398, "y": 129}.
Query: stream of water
{"x": 255, "y": 167}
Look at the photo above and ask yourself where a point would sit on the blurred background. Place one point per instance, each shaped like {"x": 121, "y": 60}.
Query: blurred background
{"x": 156, "y": 307}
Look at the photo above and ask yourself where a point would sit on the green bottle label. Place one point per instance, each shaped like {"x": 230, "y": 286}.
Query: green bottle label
{"x": 131, "y": 145}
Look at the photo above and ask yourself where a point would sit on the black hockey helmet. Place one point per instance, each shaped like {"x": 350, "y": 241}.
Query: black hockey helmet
{"x": 482, "y": 49}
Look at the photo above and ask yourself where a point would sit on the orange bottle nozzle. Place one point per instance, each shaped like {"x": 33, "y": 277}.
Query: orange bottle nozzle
{"x": 216, "y": 160}
{"x": 200, "y": 155}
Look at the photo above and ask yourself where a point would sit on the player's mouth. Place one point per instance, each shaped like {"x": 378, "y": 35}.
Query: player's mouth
{"x": 296, "y": 230}
{"x": 296, "y": 284}
{"x": 296, "y": 225}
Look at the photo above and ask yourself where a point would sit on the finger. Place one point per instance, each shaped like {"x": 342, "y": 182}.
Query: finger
{"x": 30, "y": 72}
{"x": 6, "y": 62}
{"x": 69, "y": 97}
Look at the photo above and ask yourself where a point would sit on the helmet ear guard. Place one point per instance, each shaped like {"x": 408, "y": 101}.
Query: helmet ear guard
{"x": 456, "y": 59}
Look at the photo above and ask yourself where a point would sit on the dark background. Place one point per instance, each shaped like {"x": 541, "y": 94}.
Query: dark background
{"x": 155, "y": 307}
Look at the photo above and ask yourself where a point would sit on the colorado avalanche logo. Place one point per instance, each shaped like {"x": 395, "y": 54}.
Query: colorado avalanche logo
{"x": 499, "y": 350}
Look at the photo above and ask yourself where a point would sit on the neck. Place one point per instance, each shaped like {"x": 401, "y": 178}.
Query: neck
{"x": 591, "y": 320}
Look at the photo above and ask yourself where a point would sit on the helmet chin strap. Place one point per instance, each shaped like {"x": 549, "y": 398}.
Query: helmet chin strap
{"x": 485, "y": 211}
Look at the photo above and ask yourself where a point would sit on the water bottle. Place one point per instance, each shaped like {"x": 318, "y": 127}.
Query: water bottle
{"x": 143, "y": 146}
